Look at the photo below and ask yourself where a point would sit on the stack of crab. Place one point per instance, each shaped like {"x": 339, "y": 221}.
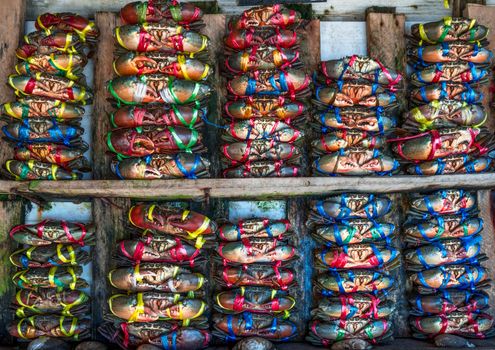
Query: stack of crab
{"x": 356, "y": 106}
{"x": 443, "y": 134}
{"x": 50, "y": 301}
{"x": 441, "y": 232}
{"x": 45, "y": 120}
{"x": 161, "y": 92}
{"x": 255, "y": 297}
{"x": 353, "y": 267}
{"x": 162, "y": 278}
{"x": 266, "y": 92}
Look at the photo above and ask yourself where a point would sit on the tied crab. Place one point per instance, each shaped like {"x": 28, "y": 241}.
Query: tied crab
{"x": 254, "y": 299}
{"x": 444, "y": 252}
{"x": 242, "y": 39}
{"x": 262, "y": 129}
{"x": 254, "y": 228}
{"x": 444, "y": 114}
{"x": 160, "y": 277}
{"x": 467, "y": 73}
{"x": 255, "y": 250}
{"x": 467, "y": 324}
{"x": 164, "y": 334}
{"x": 276, "y": 16}
{"x": 173, "y": 221}
{"x": 179, "y": 66}
{"x": 270, "y": 107}
{"x": 43, "y": 130}
{"x": 360, "y": 67}
{"x": 155, "y": 306}
{"x": 49, "y": 255}
{"x": 351, "y": 281}
{"x": 450, "y": 276}
{"x": 353, "y": 231}
{"x": 230, "y": 328}
{"x": 355, "y": 256}
{"x": 347, "y": 306}
{"x": 453, "y": 51}
{"x": 434, "y": 144}
{"x": 69, "y": 65}
{"x": 442, "y": 227}
{"x": 157, "y": 11}
{"x": 256, "y": 150}
{"x": 148, "y": 140}
{"x": 375, "y": 120}
{"x": 48, "y": 301}
{"x": 449, "y": 29}
{"x": 63, "y": 156}
{"x": 339, "y": 140}
{"x": 349, "y": 206}
{"x": 33, "y": 327}
{"x": 262, "y": 169}
{"x": 289, "y": 83}
{"x": 56, "y": 277}
{"x": 68, "y": 22}
{"x": 264, "y": 58}
{"x": 164, "y": 37}
{"x": 443, "y": 202}
{"x": 156, "y": 88}
{"x": 261, "y": 275}
{"x": 355, "y": 93}
{"x": 162, "y": 166}
{"x": 158, "y": 249}
{"x": 37, "y": 107}
{"x": 445, "y": 91}
{"x": 447, "y": 301}
{"x": 48, "y": 42}
{"x": 47, "y": 85}
{"x": 326, "y": 333}
{"x": 454, "y": 164}
{"x": 356, "y": 162}
{"x": 48, "y": 232}
{"x": 35, "y": 170}
{"x": 168, "y": 115}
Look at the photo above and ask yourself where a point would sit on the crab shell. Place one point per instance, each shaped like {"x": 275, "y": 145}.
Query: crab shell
{"x": 355, "y": 162}
{"x": 67, "y": 65}
{"x": 337, "y": 282}
{"x": 255, "y": 250}
{"x": 260, "y": 107}
{"x": 262, "y": 169}
{"x": 149, "y": 37}
{"x": 461, "y": 323}
{"x": 149, "y": 12}
{"x": 280, "y": 83}
{"x": 356, "y": 256}
{"x": 50, "y": 301}
{"x": 173, "y": 115}
{"x": 256, "y": 150}
{"x": 467, "y": 73}
{"x": 42, "y": 130}
{"x": 59, "y": 277}
{"x": 48, "y": 232}
{"x": 162, "y": 166}
{"x": 49, "y": 255}
{"x": 253, "y": 228}
{"x": 267, "y": 58}
{"x": 68, "y": 22}
{"x": 352, "y": 231}
{"x": 456, "y": 164}
{"x": 445, "y": 90}
{"x": 449, "y": 29}
{"x": 447, "y": 301}
{"x": 170, "y": 220}
{"x": 341, "y": 139}
{"x": 346, "y": 306}
{"x": 355, "y": 93}
{"x": 34, "y": 170}
{"x": 443, "y": 202}
{"x": 33, "y": 327}
{"x": 263, "y": 128}
{"x": 47, "y": 42}
{"x": 67, "y": 157}
{"x": 257, "y": 275}
{"x": 254, "y": 299}
{"x": 35, "y": 107}
{"x": 357, "y": 118}
{"x": 451, "y": 52}
{"x": 450, "y": 276}
{"x": 277, "y": 16}
{"x": 179, "y": 66}
{"x": 351, "y": 206}
{"x": 241, "y": 39}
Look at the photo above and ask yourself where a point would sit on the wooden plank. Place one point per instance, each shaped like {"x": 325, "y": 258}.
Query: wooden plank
{"x": 12, "y": 14}
{"x": 110, "y": 219}
{"x": 103, "y": 72}
{"x": 459, "y": 6}
{"x": 253, "y": 188}
{"x": 485, "y": 206}
{"x": 386, "y": 42}
{"x": 310, "y": 46}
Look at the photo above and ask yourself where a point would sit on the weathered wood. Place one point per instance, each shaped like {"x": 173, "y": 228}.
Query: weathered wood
{"x": 103, "y": 72}
{"x": 459, "y": 6}
{"x": 12, "y": 14}
{"x": 252, "y": 188}
{"x": 310, "y": 45}
{"x": 386, "y": 42}
{"x": 485, "y": 206}
{"x": 110, "y": 219}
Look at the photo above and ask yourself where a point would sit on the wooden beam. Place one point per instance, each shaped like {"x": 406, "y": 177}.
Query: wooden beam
{"x": 103, "y": 72}
{"x": 252, "y": 188}
{"x": 459, "y": 6}
{"x": 385, "y": 34}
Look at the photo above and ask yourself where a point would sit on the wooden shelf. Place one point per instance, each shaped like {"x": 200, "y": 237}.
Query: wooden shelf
{"x": 244, "y": 188}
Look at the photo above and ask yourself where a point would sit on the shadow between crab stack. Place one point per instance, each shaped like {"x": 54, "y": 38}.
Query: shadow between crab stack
{"x": 161, "y": 92}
